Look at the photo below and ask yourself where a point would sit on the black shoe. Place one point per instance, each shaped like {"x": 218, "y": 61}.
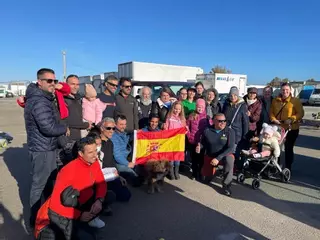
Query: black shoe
{"x": 107, "y": 211}
{"x": 226, "y": 190}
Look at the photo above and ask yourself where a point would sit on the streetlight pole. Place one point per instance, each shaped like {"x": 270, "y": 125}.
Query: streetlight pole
{"x": 64, "y": 65}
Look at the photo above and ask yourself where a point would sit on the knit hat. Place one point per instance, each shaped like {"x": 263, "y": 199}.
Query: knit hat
{"x": 252, "y": 90}
{"x": 201, "y": 102}
{"x": 90, "y": 91}
{"x": 234, "y": 90}
{"x": 269, "y": 130}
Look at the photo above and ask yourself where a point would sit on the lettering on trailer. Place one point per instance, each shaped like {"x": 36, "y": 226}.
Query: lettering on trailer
{"x": 228, "y": 79}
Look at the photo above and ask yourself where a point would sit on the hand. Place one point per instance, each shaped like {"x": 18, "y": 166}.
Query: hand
{"x": 249, "y": 113}
{"x": 276, "y": 122}
{"x": 21, "y": 99}
{"x": 214, "y": 162}
{"x": 116, "y": 173}
{"x": 90, "y": 124}
{"x": 131, "y": 165}
{"x": 164, "y": 126}
{"x": 123, "y": 181}
{"x": 86, "y": 216}
{"x": 288, "y": 121}
{"x": 96, "y": 207}
{"x": 187, "y": 129}
{"x": 68, "y": 132}
{"x": 58, "y": 86}
{"x": 198, "y": 148}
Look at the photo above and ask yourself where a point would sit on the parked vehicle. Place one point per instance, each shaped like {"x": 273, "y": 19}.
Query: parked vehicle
{"x": 2, "y": 92}
{"x": 305, "y": 94}
{"x": 9, "y": 94}
{"x": 315, "y": 97}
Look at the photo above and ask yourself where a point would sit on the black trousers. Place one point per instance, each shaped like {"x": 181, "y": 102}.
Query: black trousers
{"x": 289, "y": 145}
{"x": 196, "y": 160}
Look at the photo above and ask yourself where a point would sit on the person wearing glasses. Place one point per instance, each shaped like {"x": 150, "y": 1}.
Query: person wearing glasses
{"x": 108, "y": 96}
{"x": 287, "y": 111}
{"x": 127, "y": 105}
{"x": 42, "y": 118}
{"x": 182, "y": 94}
{"x": 217, "y": 143}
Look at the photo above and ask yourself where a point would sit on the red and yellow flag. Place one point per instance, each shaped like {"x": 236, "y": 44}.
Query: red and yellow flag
{"x": 162, "y": 145}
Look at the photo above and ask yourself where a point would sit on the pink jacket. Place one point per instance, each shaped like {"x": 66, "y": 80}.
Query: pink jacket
{"x": 174, "y": 123}
{"x": 196, "y": 127}
{"x": 92, "y": 111}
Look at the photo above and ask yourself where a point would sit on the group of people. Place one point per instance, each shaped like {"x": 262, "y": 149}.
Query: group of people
{"x": 80, "y": 148}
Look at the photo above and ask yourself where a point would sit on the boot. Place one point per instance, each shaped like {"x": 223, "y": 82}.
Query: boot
{"x": 171, "y": 174}
{"x": 176, "y": 172}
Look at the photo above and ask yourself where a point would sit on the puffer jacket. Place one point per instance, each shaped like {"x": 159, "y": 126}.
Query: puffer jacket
{"x": 196, "y": 127}
{"x": 255, "y": 113}
{"x": 240, "y": 124}
{"x": 289, "y": 108}
{"x": 42, "y": 120}
{"x": 215, "y": 106}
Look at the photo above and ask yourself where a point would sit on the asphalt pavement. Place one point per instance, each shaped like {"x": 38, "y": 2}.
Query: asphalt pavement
{"x": 187, "y": 209}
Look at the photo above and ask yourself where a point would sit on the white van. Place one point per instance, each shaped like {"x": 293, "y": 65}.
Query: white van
{"x": 315, "y": 97}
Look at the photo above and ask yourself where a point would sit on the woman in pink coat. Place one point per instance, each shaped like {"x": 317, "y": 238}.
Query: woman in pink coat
{"x": 197, "y": 123}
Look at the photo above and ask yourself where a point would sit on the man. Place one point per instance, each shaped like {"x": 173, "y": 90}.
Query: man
{"x": 108, "y": 96}
{"x": 218, "y": 144}
{"x": 287, "y": 111}
{"x": 77, "y": 197}
{"x": 153, "y": 124}
{"x": 118, "y": 186}
{"x": 122, "y": 150}
{"x": 43, "y": 129}
{"x": 144, "y": 106}
{"x": 127, "y": 105}
{"x": 73, "y": 100}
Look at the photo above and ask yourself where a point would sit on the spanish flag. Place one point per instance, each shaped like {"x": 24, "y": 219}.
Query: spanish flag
{"x": 162, "y": 145}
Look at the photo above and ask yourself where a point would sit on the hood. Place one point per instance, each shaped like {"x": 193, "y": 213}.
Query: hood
{"x": 240, "y": 100}
{"x": 216, "y": 99}
{"x": 33, "y": 91}
{"x": 245, "y": 98}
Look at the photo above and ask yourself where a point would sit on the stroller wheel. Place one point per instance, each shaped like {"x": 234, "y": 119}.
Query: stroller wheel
{"x": 255, "y": 184}
{"x": 286, "y": 174}
{"x": 240, "y": 178}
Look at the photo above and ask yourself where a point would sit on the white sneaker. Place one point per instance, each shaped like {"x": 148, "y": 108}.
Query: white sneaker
{"x": 245, "y": 152}
{"x": 96, "y": 223}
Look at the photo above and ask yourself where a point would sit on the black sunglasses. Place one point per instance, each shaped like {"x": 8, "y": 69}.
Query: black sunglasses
{"x": 50, "y": 80}
{"x": 110, "y": 128}
{"x": 112, "y": 84}
{"x": 222, "y": 121}
{"x": 128, "y": 86}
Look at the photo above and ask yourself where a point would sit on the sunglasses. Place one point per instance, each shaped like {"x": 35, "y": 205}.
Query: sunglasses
{"x": 112, "y": 84}
{"x": 110, "y": 128}
{"x": 50, "y": 80}
{"x": 128, "y": 86}
{"x": 222, "y": 121}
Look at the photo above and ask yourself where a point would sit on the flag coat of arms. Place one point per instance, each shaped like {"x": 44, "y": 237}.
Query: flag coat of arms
{"x": 162, "y": 145}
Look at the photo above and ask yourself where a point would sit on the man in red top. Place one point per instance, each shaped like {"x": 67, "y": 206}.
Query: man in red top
{"x": 77, "y": 196}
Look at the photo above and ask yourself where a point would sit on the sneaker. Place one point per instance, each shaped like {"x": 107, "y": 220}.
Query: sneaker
{"x": 227, "y": 190}
{"x": 257, "y": 155}
{"x": 245, "y": 152}
{"x": 96, "y": 223}
{"x": 107, "y": 211}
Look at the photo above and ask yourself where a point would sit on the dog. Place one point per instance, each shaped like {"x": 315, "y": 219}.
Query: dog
{"x": 156, "y": 170}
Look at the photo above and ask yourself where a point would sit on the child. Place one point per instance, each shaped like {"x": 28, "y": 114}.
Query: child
{"x": 175, "y": 119}
{"x": 269, "y": 140}
{"x": 92, "y": 107}
{"x": 196, "y": 123}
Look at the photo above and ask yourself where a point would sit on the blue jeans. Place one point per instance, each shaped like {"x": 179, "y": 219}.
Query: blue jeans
{"x": 123, "y": 194}
{"x": 125, "y": 170}
{"x": 175, "y": 163}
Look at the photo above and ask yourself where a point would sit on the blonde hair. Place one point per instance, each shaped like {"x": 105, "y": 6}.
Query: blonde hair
{"x": 181, "y": 114}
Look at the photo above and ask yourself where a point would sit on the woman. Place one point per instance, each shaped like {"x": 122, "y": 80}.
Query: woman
{"x": 200, "y": 90}
{"x": 189, "y": 104}
{"x": 254, "y": 110}
{"x": 163, "y": 104}
{"x": 287, "y": 111}
{"x": 213, "y": 106}
{"x": 266, "y": 105}
{"x": 182, "y": 94}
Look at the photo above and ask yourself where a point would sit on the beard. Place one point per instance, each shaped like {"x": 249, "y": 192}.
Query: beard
{"x": 145, "y": 102}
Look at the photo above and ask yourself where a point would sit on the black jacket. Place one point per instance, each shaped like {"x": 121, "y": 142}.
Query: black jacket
{"x": 160, "y": 110}
{"x": 111, "y": 105}
{"x": 108, "y": 158}
{"x": 75, "y": 119}
{"x": 128, "y": 107}
{"x": 240, "y": 124}
{"x": 42, "y": 120}
{"x": 144, "y": 113}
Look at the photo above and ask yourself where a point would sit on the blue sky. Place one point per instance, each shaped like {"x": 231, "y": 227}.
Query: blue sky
{"x": 262, "y": 39}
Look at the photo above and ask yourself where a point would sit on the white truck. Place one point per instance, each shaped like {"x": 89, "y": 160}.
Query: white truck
{"x": 224, "y": 81}
{"x": 143, "y": 71}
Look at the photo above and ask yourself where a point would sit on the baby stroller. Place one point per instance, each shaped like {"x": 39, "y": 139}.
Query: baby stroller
{"x": 266, "y": 166}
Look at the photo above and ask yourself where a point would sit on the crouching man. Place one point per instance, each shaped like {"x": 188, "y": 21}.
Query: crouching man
{"x": 218, "y": 142}
{"x": 77, "y": 198}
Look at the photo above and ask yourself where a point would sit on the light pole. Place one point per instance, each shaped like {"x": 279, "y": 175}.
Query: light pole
{"x": 64, "y": 65}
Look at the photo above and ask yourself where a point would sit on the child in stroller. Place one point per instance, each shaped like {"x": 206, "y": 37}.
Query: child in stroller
{"x": 262, "y": 158}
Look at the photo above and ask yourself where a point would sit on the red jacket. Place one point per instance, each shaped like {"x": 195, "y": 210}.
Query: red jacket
{"x": 82, "y": 176}
{"x": 63, "y": 109}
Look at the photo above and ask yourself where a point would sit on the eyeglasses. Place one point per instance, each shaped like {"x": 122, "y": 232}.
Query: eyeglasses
{"x": 222, "y": 121}
{"x": 50, "y": 80}
{"x": 110, "y": 128}
{"x": 128, "y": 86}
{"x": 112, "y": 84}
